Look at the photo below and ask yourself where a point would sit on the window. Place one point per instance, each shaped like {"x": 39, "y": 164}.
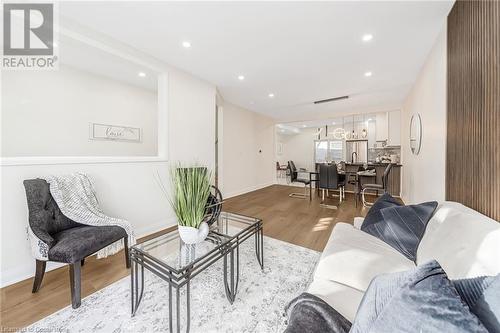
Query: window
{"x": 336, "y": 151}
{"x": 328, "y": 150}
{"x": 321, "y": 151}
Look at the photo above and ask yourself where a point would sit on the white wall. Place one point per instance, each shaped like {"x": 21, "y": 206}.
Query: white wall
{"x": 41, "y": 109}
{"x": 126, "y": 190}
{"x": 298, "y": 148}
{"x": 423, "y": 175}
{"x": 244, "y": 134}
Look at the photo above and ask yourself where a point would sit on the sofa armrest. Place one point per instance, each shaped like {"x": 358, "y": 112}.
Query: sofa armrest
{"x": 358, "y": 221}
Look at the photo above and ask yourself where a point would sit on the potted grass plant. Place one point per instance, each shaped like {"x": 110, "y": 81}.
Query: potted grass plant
{"x": 190, "y": 192}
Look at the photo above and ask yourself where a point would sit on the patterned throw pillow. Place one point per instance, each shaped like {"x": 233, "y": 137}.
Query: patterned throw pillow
{"x": 402, "y": 227}
{"x": 419, "y": 300}
{"x": 374, "y": 215}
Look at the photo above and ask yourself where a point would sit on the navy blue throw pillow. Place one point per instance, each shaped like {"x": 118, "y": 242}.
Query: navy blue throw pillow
{"x": 374, "y": 215}
{"x": 403, "y": 226}
{"x": 482, "y": 296}
{"x": 419, "y": 300}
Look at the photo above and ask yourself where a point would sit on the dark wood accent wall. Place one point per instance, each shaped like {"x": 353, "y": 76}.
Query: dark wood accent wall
{"x": 473, "y": 125}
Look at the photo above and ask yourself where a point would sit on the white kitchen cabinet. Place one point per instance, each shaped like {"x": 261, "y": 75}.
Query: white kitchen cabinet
{"x": 381, "y": 132}
{"x": 394, "y": 128}
{"x": 370, "y": 124}
{"x": 388, "y": 127}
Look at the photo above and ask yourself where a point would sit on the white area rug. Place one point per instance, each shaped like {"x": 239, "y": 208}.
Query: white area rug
{"x": 259, "y": 304}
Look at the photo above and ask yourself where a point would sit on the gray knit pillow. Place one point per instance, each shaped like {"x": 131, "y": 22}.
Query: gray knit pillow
{"x": 482, "y": 295}
{"x": 418, "y": 300}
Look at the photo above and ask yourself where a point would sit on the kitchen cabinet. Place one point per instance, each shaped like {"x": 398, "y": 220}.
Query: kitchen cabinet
{"x": 394, "y": 128}
{"x": 371, "y": 128}
{"x": 381, "y": 132}
{"x": 388, "y": 127}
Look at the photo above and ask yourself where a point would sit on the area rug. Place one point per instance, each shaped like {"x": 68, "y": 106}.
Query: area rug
{"x": 259, "y": 304}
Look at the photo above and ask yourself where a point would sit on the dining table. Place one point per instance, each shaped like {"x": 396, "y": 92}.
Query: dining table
{"x": 357, "y": 179}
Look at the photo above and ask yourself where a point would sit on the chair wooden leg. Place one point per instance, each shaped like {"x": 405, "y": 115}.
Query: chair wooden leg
{"x": 127, "y": 257}
{"x": 39, "y": 272}
{"x": 75, "y": 277}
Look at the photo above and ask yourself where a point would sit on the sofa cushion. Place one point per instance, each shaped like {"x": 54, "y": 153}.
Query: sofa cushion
{"x": 77, "y": 243}
{"x": 482, "y": 296}
{"x": 403, "y": 227}
{"x": 353, "y": 257}
{"x": 374, "y": 215}
{"x": 419, "y": 300}
{"x": 358, "y": 222}
{"x": 463, "y": 241}
{"x": 344, "y": 299}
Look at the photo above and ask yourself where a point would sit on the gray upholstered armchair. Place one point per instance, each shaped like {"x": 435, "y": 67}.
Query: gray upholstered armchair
{"x": 63, "y": 240}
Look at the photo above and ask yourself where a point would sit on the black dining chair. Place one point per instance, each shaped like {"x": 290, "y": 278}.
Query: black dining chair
{"x": 294, "y": 179}
{"x": 329, "y": 180}
{"x": 377, "y": 187}
{"x": 64, "y": 240}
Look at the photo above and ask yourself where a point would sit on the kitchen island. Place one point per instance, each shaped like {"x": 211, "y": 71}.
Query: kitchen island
{"x": 394, "y": 179}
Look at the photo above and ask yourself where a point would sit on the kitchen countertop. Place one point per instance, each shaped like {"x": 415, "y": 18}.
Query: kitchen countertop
{"x": 373, "y": 164}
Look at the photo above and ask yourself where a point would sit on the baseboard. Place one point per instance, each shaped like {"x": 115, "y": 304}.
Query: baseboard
{"x": 27, "y": 271}
{"x": 404, "y": 199}
{"x": 248, "y": 189}
{"x": 151, "y": 229}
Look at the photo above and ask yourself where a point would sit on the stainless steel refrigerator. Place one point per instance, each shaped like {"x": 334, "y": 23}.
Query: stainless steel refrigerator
{"x": 360, "y": 147}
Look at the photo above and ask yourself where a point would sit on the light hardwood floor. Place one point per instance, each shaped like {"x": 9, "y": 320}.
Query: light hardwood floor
{"x": 292, "y": 220}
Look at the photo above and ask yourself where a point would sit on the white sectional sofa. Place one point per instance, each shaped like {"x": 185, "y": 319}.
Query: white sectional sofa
{"x": 465, "y": 243}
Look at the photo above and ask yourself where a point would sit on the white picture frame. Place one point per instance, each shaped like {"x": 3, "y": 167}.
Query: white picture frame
{"x": 114, "y": 133}
{"x": 279, "y": 148}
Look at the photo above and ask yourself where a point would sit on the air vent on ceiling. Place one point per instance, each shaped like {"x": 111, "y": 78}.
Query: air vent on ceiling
{"x": 331, "y": 99}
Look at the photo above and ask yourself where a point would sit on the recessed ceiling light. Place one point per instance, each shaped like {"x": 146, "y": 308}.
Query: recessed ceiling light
{"x": 271, "y": 95}
{"x": 141, "y": 74}
{"x": 368, "y": 74}
{"x": 241, "y": 77}
{"x": 304, "y": 126}
{"x": 333, "y": 123}
{"x": 186, "y": 44}
{"x": 367, "y": 37}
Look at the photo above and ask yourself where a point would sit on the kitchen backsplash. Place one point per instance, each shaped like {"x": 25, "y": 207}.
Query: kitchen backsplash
{"x": 384, "y": 153}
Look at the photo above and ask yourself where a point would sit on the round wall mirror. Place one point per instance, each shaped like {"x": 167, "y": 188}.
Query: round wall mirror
{"x": 415, "y": 133}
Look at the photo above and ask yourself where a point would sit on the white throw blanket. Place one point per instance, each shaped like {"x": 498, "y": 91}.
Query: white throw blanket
{"x": 77, "y": 200}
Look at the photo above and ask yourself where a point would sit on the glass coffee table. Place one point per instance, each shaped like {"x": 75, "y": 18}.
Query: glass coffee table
{"x": 177, "y": 263}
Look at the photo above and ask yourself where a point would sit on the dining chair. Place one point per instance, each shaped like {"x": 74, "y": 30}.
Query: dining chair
{"x": 376, "y": 187}
{"x": 294, "y": 179}
{"x": 281, "y": 170}
{"x": 329, "y": 180}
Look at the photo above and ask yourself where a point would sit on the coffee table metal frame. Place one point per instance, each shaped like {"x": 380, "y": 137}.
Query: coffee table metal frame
{"x": 226, "y": 246}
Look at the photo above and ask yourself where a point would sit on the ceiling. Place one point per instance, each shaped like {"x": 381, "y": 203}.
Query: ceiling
{"x": 82, "y": 56}
{"x": 297, "y": 127}
{"x": 300, "y": 51}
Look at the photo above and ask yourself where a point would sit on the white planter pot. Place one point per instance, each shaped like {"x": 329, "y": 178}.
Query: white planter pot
{"x": 190, "y": 235}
